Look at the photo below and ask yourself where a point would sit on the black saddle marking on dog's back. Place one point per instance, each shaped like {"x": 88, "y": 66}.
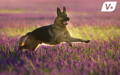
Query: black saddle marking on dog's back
{"x": 42, "y": 33}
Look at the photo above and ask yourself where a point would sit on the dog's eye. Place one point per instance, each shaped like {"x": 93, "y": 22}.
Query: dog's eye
{"x": 64, "y": 16}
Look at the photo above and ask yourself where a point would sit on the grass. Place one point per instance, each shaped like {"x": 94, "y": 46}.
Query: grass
{"x": 97, "y": 57}
{"x": 85, "y": 32}
{"x": 18, "y": 11}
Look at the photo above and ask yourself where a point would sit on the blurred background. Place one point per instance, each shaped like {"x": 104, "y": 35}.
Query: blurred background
{"x": 80, "y": 11}
{"x": 20, "y": 16}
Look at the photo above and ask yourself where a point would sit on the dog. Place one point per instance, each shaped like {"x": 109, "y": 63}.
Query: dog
{"x": 51, "y": 34}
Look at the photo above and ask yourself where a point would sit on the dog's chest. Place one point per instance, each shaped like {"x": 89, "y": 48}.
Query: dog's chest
{"x": 60, "y": 35}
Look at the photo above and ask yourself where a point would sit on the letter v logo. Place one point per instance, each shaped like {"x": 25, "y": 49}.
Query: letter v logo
{"x": 109, "y": 6}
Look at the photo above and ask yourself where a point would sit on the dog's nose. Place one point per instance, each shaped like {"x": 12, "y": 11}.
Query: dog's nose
{"x": 67, "y": 18}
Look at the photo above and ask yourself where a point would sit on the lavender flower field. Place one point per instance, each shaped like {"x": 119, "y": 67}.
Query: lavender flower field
{"x": 95, "y": 58}
{"x": 99, "y": 57}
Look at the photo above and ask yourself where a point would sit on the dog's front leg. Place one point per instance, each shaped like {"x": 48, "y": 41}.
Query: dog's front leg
{"x": 78, "y": 40}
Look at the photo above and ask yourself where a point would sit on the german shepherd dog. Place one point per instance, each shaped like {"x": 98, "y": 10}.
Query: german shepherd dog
{"x": 52, "y": 34}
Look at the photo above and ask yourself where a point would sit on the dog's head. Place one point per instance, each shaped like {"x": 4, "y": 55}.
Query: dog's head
{"x": 62, "y": 18}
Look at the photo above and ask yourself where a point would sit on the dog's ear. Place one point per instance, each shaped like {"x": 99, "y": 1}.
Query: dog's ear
{"x": 58, "y": 11}
{"x": 64, "y": 9}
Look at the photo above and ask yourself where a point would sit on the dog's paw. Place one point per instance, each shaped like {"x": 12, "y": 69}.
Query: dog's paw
{"x": 87, "y": 41}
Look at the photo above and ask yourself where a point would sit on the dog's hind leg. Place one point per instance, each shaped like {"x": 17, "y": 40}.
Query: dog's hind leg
{"x": 34, "y": 45}
{"x": 69, "y": 43}
{"x": 37, "y": 47}
{"x": 28, "y": 42}
{"x": 21, "y": 42}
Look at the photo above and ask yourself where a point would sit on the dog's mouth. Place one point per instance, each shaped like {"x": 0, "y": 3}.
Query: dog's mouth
{"x": 65, "y": 22}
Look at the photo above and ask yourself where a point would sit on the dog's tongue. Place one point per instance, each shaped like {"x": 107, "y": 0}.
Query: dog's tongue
{"x": 65, "y": 23}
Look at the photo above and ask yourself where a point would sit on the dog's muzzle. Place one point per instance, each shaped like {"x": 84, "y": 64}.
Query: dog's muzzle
{"x": 65, "y": 21}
